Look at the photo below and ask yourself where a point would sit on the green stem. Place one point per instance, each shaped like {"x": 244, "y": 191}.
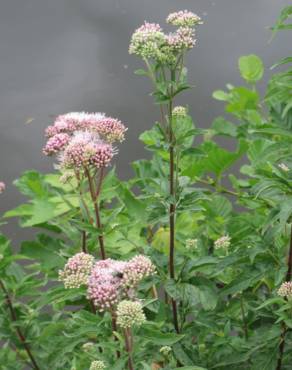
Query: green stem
{"x": 245, "y": 328}
{"x": 172, "y": 207}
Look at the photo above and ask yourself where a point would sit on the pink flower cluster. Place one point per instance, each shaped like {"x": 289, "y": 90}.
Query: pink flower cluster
{"x": 77, "y": 270}
{"x": 2, "y": 187}
{"x": 183, "y": 18}
{"x": 111, "y": 281}
{"x": 56, "y": 143}
{"x": 183, "y": 38}
{"x": 86, "y": 150}
{"x": 150, "y": 42}
{"x": 83, "y": 139}
{"x": 109, "y": 129}
{"x": 285, "y": 290}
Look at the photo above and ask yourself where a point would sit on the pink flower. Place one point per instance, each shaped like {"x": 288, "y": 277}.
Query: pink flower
{"x": 105, "y": 283}
{"x": 2, "y": 187}
{"x": 110, "y": 129}
{"x": 137, "y": 269}
{"x": 56, "y": 143}
{"x": 84, "y": 151}
{"x": 183, "y": 18}
{"x": 111, "y": 281}
{"x": 183, "y": 38}
{"x": 77, "y": 270}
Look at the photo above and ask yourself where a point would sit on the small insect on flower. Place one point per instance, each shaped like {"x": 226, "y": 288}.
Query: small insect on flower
{"x": 130, "y": 314}
{"x": 111, "y": 281}
{"x": 223, "y": 242}
{"x": 285, "y": 290}
{"x": 97, "y": 365}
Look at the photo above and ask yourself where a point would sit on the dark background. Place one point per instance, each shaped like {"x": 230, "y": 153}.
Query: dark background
{"x": 59, "y": 56}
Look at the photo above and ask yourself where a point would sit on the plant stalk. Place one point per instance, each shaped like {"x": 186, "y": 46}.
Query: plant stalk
{"x": 172, "y": 214}
{"x": 284, "y": 327}
{"x": 129, "y": 347}
{"x": 94, "y": 196}
{"x": 19, "y": 332}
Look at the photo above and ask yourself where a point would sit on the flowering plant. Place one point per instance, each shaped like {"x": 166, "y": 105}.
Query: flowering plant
{"x": 186, "y": 265}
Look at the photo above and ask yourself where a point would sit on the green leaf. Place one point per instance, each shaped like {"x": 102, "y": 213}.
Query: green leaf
{"x": 220, "y": 95}
{"x": 159, "y": 338}
{"x": 251, "y": 68}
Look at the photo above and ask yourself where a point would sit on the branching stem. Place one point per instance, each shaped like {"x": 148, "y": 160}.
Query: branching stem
{"x": 19, "y": 331}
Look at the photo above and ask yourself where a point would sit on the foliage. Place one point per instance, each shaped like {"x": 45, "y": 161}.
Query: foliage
{"x": 216, "y": 224}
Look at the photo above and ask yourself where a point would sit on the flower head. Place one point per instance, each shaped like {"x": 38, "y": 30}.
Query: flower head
{"x": 2, "y": 187}
{"x": 86, "y": 150}
{"x": 285, "y": 290}
{"x": 138, "y": 268}
{"x": 191, "y": 243}
{"x": 97, "y": 365}
{"x": 77, "y": 270}
{"x": 223, "y": 242}
{"x": 165, "y": 351}
{"x": 110, "y": 281}
{"x": 105, "y": 281}
{"x": 87, "y": 347}
{"x": 130, "y": 314}
{"x": 182, "y": 39}
{"x": 147, "y": 40}
{"x": 283, "y": 167}
{"x": 56, "y": 143}
{"x": 179, "y": 111}
{"x": 183, "y": 18}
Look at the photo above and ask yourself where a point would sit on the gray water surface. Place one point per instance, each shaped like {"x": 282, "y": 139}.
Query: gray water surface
{"x": 69, "y": 55}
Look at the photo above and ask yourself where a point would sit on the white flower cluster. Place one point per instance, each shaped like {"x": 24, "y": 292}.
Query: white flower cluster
{"x": 130, "y": 314}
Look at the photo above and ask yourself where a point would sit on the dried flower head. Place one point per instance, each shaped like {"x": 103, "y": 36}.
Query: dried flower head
{"x": 165, "y": 351}
{"x": 77, "y": 270}
{"x": 184, "y": 18}
{"x": 130, "y": 314}
{"x": 2, "y": 187}
{"x": 223, "y": 242}
{"x": 285, "y": 290}
{"x": 283, "y": 167}
{"x": 97, "y": 365}
{"x": 147, "y": 40}
{"x": 88, "y": 347}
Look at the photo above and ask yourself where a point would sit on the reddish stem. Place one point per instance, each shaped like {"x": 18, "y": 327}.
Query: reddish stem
{"x": 284, "y": 327}
{"x": 129, "y": 347}
{"x": 19, "y": 332}
{"x": 94, "y": 197}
